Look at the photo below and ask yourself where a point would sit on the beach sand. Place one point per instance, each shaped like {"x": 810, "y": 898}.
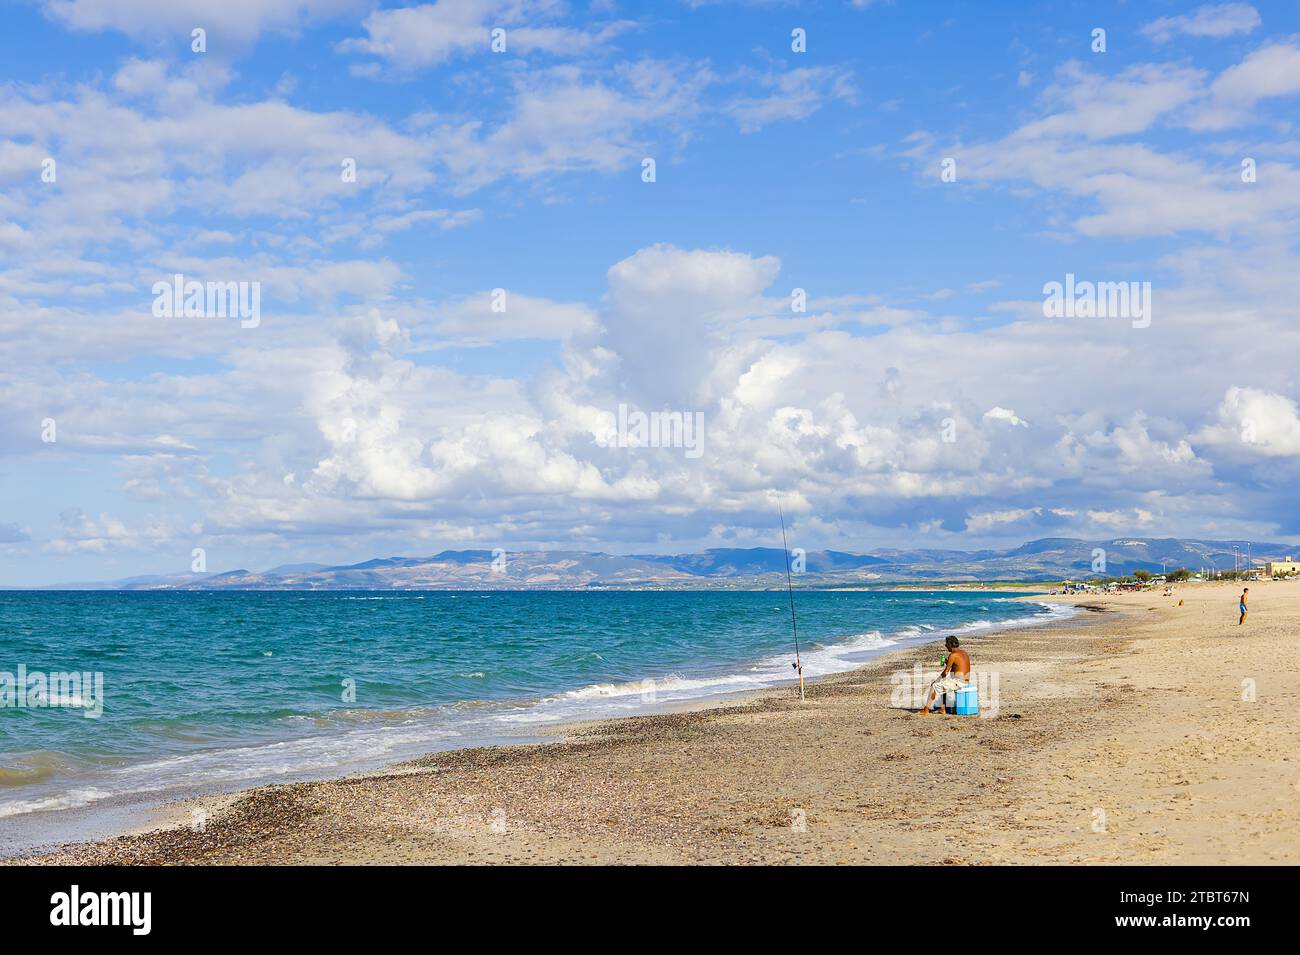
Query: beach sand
{"x": 1128, "y": 735}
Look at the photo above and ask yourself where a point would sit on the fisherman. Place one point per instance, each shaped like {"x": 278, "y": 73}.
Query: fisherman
{"x": 956, "y": 673}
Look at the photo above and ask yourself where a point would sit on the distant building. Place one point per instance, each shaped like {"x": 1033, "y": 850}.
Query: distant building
{"x": 1281, "y": 568}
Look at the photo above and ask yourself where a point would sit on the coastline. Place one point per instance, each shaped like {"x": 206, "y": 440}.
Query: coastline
{"x": 1091, "y": 729}
{"x": 88, "y": 807}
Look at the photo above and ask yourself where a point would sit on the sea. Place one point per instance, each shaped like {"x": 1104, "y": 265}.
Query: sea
{"x": 178, "y": 694}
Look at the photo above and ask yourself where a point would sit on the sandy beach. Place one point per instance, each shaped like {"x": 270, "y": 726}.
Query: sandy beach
{"x": 1138, "y": 732}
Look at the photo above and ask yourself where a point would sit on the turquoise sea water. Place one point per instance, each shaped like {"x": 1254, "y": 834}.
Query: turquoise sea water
{"x": 218, "y": 691}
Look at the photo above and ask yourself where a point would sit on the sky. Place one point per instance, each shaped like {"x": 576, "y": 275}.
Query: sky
{"x": 479, "y": 234}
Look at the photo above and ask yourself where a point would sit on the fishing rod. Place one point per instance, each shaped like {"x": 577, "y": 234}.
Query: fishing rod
{"x": 794, "y": 621}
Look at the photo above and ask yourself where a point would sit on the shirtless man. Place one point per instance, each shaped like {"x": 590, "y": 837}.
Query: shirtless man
{"x": 955, "y": 672}
{"x": 1243, "y": 606}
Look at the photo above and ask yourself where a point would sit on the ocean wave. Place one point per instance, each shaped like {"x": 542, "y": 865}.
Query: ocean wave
{"x": 818, "y": 660}
{"x": 651, "y": 685}
{"x": 72, "y": 799}
{"x": 31, "y": 768}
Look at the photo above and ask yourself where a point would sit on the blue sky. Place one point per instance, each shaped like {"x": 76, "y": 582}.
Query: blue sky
{"x": 381, "y": 406}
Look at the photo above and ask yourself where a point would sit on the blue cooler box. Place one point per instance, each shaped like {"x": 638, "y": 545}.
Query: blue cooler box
{"x": 968, "y": 701}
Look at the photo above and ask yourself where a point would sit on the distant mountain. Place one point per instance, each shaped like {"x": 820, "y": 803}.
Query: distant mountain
{"x": 1053, "y": 558}
{"x": 296, "y": 568}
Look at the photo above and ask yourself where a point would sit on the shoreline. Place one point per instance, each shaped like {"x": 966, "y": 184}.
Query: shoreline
{"x": 1090, "y": 732}
{"x": 112, "y": 814}
{"x": 175, "y": 816}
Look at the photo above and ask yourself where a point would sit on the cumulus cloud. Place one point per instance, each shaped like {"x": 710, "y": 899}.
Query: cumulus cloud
{"x": 1256, "y": 423}
{"x": 1007, "y": 415}
{"x": 674, "y": 334}
{"x": 369, "y": 410}
{"x": 381, "y": 445}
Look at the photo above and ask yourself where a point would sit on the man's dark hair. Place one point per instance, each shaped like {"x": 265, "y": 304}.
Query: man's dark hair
{"x": 952, "y": 643}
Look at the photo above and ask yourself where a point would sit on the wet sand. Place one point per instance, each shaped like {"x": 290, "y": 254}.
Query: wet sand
{"x": 1140, "y": 732}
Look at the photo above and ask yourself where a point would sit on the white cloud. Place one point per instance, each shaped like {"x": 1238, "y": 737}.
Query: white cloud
{"x": 791, "y": 94}
{"x": 236, "y": 22}
{"x": 525, "y": 316}
{"x": 412, "y": 38}
{"x": 566, "y": 119}
{"x": 1132, "y": 518}
{"x": 1097, "y": 106}
{"x": 1254, "y": 422}
{"x": 1134, "y": 188}
{"x": 1270, "y": 71}
{"x": 143, "y": 168}
{"x": 982, "y": 523}
{"x": 140, "y": 77}
{"x": 81, "y": 532}
{"x": 1007, "y": 415}
{"x": 382, "y": 444}
{"x": 673, "y": 308}
{"x": 848, "y": 407}
{"x": 1212, "y": 20}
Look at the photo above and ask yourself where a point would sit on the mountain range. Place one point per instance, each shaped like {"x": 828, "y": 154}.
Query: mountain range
{"x": 1043, "y": 560}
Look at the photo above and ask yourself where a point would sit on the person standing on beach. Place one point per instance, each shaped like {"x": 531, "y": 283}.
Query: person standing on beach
{"x": 1243, "y": 606}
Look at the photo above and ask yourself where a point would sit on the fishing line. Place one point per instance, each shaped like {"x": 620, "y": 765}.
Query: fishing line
{"x": 794, "y": 621}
